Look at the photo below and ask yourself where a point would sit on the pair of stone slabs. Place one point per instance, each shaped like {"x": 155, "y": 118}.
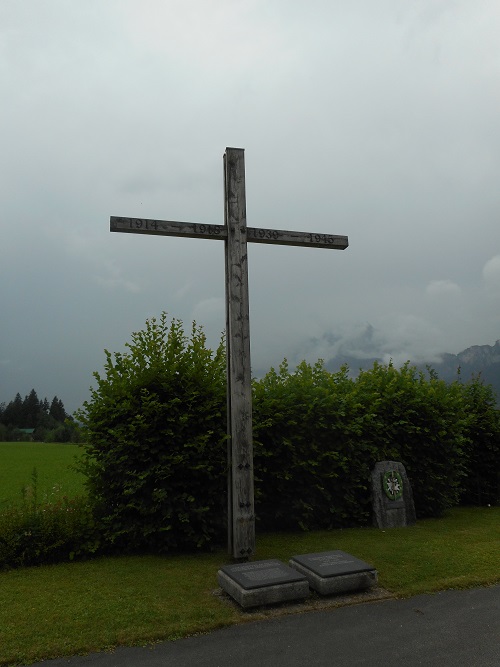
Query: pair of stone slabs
{"x": 271, "y": 581}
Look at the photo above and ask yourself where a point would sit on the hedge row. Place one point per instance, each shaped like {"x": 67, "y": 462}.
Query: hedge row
{"x": 156, "y": 456}
{"x": 156, "y": 460}
{"x": 318, "y": 435}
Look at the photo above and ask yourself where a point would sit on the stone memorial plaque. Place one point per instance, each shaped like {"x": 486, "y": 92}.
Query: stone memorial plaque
{"x": 332, "y": 563}
{"x": 335, "y": 572}
{"x": 262, "y": 582}
{"x": 261, "y": 574}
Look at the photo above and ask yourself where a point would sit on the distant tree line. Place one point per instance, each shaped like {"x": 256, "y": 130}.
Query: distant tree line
{"x": 50, "y": 421}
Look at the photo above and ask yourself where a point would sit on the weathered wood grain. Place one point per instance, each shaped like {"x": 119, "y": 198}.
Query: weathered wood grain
{"x": 235, "y": 234}
{"x": 282, "y": 237}
{"x": 200, "y": 230}
{"x": 240, "y": 452}
{"x": 193, "y": 230}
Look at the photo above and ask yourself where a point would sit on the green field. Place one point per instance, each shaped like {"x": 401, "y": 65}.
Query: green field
{"x": 53, "y": 467}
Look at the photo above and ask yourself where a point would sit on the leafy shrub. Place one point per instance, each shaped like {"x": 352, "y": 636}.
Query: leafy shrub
{"x": 155, "y": 427}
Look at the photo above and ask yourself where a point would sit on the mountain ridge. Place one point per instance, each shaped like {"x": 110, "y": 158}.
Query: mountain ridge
{"x": 477, "y": 360}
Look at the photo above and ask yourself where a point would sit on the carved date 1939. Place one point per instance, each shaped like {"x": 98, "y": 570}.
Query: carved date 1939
{"x": 264, "y": 233}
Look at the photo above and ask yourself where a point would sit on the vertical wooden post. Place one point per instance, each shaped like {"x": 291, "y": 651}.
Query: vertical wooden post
{"x": 241, "y": 514}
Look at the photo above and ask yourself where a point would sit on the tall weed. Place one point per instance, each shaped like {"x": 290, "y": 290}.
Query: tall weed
{"x": 45, "y": 530}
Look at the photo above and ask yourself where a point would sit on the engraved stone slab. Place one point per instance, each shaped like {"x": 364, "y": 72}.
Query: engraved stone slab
{"x": 262, "y": 582}
{"x": 332, "y": 563}
{"x": 261, "y": 573}
{"x": 335, "y": 572}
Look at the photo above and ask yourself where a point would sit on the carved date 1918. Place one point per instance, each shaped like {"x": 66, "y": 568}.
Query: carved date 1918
{"x": 213, "y": 230}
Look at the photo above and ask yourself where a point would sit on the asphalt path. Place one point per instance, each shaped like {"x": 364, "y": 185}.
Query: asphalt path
{"x": 448, "y": 629}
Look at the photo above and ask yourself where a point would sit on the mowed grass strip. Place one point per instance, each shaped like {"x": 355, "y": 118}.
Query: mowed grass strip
{"x": 53, "y": 464}
{"x": 458, "y": 551}
{"x": 46, "y": 612}
{"x": 83, "y": 607}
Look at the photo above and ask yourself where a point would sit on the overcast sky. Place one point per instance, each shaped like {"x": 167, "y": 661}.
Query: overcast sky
{"x": 375, "y": 120}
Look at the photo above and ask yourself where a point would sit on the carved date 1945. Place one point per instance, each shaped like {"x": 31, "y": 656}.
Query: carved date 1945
{"x": 321, "y": 238}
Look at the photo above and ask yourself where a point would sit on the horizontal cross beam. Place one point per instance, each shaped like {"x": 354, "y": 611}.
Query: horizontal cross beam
{"x": 195, "y": 230}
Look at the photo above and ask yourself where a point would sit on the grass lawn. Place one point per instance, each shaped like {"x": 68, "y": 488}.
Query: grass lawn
{"x": 52, "y": 463}
{"x": 66, "y": 609}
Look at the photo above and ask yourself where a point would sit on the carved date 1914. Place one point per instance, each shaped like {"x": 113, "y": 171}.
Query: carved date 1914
{"x": 146, "y": 225}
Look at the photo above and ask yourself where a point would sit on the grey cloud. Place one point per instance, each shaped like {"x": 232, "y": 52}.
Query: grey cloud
{"x": 374, "y": 120}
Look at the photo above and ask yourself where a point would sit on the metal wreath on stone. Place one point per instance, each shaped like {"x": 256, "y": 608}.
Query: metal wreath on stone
{"x": 235, "y": 234}
{"x": 392, "y": 484}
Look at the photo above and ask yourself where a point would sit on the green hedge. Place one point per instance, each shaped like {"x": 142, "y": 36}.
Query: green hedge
{"x": 318, "y": 435}
{"x": 156, "y": 454}
{"x": 156, "y": 460}
{"x": 421, "y": 422}
{"x": 312, "y": 462}
{"x": 481, "y": 485}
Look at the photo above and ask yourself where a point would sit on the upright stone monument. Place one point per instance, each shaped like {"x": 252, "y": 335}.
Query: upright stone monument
{"x": 392, "y": 496}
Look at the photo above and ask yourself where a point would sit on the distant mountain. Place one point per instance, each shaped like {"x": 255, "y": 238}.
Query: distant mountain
{"x": 475, "y": 360}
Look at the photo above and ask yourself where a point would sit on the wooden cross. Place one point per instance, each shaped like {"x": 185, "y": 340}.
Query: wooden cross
{"x": 235, "y": 234}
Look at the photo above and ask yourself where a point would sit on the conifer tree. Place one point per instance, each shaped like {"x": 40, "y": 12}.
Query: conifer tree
{"x": 13, "y": 413}
{"x": 31, "y": 409}
{"x": 57, "y": 410}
